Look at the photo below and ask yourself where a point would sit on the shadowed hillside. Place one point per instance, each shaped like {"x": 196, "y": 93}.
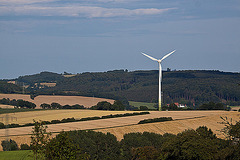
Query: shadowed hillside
{"x": 187, "y": 87}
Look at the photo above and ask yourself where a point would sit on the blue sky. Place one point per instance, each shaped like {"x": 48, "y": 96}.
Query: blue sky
{"x": 99, "y": 35}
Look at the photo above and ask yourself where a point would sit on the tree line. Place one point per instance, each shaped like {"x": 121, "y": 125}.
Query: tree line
{"x": 104, "y": 105}
{"x": 204, "y": 106}
{"x": 18, "y": 103}
{"x": 66, "y": 120}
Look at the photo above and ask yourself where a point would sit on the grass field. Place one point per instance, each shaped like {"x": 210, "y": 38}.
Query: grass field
{"x": 16, "y": 155}
{"x": 138, "y": 104}
{"x": 63, "y": 100}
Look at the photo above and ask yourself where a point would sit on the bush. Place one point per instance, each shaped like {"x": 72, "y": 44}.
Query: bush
{"x": 13, "y": 125}
{"x": 56, "y": 105}
{"x": 2, "y": 126}
{"x": 143, "y": 108}
{"x": 55, "y": 121}
{"x": 161, "y": 119}
{"x": 68, "y": 120}
{"x": 9, "y": 145}
{"x": 24, "y": 147}
{"x": 45, "y": 106}
{"x": 28, "y": 124}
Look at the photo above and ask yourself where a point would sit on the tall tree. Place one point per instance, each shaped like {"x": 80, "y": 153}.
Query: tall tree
{"x": 39, "y": 139}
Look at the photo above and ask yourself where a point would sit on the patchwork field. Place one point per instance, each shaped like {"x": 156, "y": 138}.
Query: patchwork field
{"x": 63, "y": 100}
{"x": 120, "y": 126}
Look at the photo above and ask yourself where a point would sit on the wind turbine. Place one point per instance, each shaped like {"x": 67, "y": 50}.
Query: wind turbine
{"x": 160, "y": 75}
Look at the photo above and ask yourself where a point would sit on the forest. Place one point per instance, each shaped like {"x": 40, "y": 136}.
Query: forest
{"x": 190, "y": 87}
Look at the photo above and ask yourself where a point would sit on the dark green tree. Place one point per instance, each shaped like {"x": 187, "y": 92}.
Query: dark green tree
{"x": 143, "y": 108}
{"x": 62, "y": 148}
{"x": 191, "y": 144}
{"x": 230, "y": 130}
{"x": 55, "y": 105}
{"x": 25, "y": 147}
{"x": 9, "y": 145}
{"x": 135, "y": 140}
{"x": 104, "y": 105}
{"x": 45, "y": 106}
{"x": 98, "y": 145}
{"x": 118, "y": 106}
{"x": 39, "y": 139}
{"x": 145, "y": 153}
{"x": 2, "y": 125}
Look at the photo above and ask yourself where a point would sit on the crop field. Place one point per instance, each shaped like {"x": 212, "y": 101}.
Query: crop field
{"x": 48, "y": 115}
{"x": 120, "y": 126}
{"x": 235, "y": 108}
{"x": 63, "y": 100}
{"x": 211, "y": 120}
{"x": 6, "y": 106}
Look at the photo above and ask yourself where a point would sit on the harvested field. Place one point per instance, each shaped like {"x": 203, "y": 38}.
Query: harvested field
{"x": 210, "y": 120}
{"x": 48, "y": 115}
{"x": 63, "y": 100}
{"x": 235, "y": 108}
{"x": 6, "y": 106}
{"x": 119, "y": 126}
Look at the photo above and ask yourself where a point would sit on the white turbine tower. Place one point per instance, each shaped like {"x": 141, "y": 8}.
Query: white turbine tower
{"x": 160, "y": 75}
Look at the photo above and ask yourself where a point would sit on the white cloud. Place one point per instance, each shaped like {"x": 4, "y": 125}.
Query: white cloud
{"x": 77, "y": 11}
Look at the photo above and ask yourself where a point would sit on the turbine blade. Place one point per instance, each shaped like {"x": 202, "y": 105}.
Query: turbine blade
{"x": 168, "y": 55}
{"x": 149, "y": 57}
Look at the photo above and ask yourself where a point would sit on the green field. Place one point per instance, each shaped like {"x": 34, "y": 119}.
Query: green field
{"x": 16, "y": 155}
{"x": 138, "y": 104}
{"x": 234, "y": 106}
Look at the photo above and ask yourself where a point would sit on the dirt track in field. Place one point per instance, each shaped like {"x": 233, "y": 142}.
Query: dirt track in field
{"x": 120, "y": 126}
{"x": 63, "y": 100}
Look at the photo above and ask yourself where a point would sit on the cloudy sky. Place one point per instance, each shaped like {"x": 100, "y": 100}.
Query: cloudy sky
{"x": 99, "y": 35}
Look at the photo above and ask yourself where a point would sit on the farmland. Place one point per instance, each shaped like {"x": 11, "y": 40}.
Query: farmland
{"x": 63, "y": 100}
{"x": 6, "y": 106}
{"x": 48, "y": 115}
{"x": 138, "y": 104}
{"x": 120, "y": 126}
{"x": 17, "y": 155}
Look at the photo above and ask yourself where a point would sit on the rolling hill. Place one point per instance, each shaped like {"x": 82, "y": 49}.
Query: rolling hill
{"x": 191, "y": 87}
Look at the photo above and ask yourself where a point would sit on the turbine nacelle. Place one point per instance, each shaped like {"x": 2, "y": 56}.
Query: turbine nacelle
{"x": 158, "y": 60}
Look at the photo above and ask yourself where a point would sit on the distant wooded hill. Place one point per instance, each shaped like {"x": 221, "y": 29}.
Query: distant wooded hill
{"x": 191, "y": 87}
